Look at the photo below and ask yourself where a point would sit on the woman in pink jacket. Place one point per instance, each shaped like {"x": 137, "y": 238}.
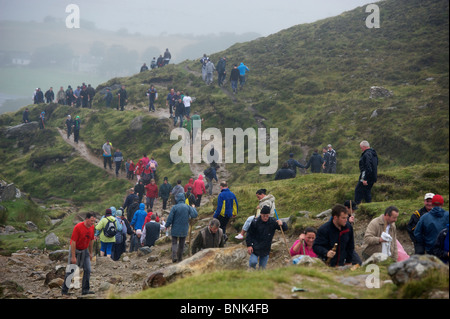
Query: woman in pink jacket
{"x": 198, "y": 189}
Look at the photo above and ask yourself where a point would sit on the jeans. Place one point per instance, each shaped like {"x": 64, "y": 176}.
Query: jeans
{"x": 86, "y": 273}
{"x": 177, "y": 248}
{"x": 175, "y": 120}
{"x": 107, "y": 159}
{"x": 150, "y": 201}
{"x": 248, "y": 222}
{"x": 242, "y": 80}
{"x": 118, "y": 164}
{"x": 234, "y": 85}
{"x": 253, "y": 261}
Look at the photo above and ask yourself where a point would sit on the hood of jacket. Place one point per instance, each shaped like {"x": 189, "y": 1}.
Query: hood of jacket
{"x": 180, "y": 198}
{"x": 437, "y": 211}
{"x": 141, "y": 206}
{"x": 200, "y": 177}
{"x": 191, "y": 181}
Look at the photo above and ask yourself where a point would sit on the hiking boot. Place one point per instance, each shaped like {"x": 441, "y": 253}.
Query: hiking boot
{"x": 90, "y": 292}
{"x": 239, "y": 236}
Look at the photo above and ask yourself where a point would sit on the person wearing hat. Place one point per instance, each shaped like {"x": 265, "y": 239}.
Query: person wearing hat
{"x": 415, "y": 217}
{"x": 119, "y": 245}
{"x": 106, "y": 243}
{"x": 259, "y": 237}
{"x": 69, "y": 124}
{"x": 329, "y": 163}
{"x": 76, "y": 129}
{"x": 430, "y": 225}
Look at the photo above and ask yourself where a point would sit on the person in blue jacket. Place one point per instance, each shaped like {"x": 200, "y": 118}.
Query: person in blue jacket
{"x": 139, "y": 217}
{"x": 227, "y": 206}
{"x": 431, "y": 224}
{"x": 178, "y": 220}
{"x": 242, "y": 69}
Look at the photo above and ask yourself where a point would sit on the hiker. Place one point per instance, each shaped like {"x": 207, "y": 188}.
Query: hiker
{"x": 179, "y": 110}
{"x": 304, "y": 244}
{"x": 107, "y": 238}
{"x": 187, "y": 100}
{"x": 368, "y": 163}
{"x": 190, "y": 198}
{"x": 315, "y": 162}
{"x": 91, "y": 93}
{"x": 178, "y": 220}
{"x": 284, "y": 172}
{"x": 152, "y": 193}
{"x": 70, "y": 96}
{"x": 210, "y": 174}
{"x": 69, "y": 124}
{"x": 81, "y": 253}
{"x": 329, "y": 163}
{"x": 76, "y": 129}
{"x": 415, "y": 217}
{"x": 189, "y": 184}
{"x": 198, "y": 189}
{"x": 139, "y": 217}
{"x": 108, "y": 97}
{"x": 49, "y": 95}
{"x": 234, "y": 78}
{"x": 178, "y": 189}
{"x": 170, "y": 101}
{"x": 440, "y": 247}
{"x": 145, "y": 160}
{"x": 61, "y": 96}
{"x": 153, "y": 63}
{"x": 148, "y": 217}
{"x": 139, "y": 189}
{"x": 325, "y": 156}
{"x": 167, "y": 57}
{"x": 84, "y": 97}
{"x": 118, "y": 158}
{"x": 76, "y": 94}
{"x": 130, "y": 170}
{"x": 242, "y": 70}
{"x": 135, "y": 240}
{"x": 133, "y": 208}
{"x": 42, "y": 120}
{"x": 260, "y": 235}
{"x": 151, "y": 231}
{"x": 336, "y": 231}
{"x": 121, "y": 236}
{"x": 203, "y": 62}
{"x": 264, "y": 200}
{"x": 293, "y": 164}
{"x": 25, "y": 116}
{"x": 164, "y": 192}
{"x": 227, "y": 206}
{"x": 153, "y": 165}
{"x": 160, "y": 61}
{"x": 152, "y": 97}
{"x": 430, "y": 225}
{"x": 129, "y": 199}
{"x": 146, "y": 175}
{"x": 39, "y": 96}
{"x": 381, "y": 235}
{"x": 123, "y": 98}
{"x": 210, "y": 236}
{"x": 196, "y": 126}
{"x": 107, "y": 154}
{"x": 209, "y": 71}
{"x": 221, "y": 70}
{"x": 139, "y": 169}
{"x": 144, "y": 67}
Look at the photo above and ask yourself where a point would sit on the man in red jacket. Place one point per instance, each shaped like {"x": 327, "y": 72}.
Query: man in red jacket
{"x": 152, "y": 193}
{"x": 199, "y": 189}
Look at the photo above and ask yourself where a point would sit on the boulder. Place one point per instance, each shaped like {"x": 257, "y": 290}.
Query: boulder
{"x": 8, "y": 192}
{"x": 379, "y": 91}
{"x": 136, "y": 124}
{"x": 22, "y": 129}
{"x": 52, "y": 240}
{"x": 233, "y": 257}
{"x": 59, "y": 255}
{"x": 375, "y": 259}
{"x": 415, "y": 268}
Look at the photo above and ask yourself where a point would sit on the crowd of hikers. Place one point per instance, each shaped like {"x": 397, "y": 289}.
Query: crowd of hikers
{"x": 137, "y": 223}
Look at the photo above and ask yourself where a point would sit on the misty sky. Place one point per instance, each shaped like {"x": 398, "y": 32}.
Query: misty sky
{"x": 196, "y": 17}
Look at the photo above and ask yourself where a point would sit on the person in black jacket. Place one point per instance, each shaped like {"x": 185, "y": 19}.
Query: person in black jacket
{"x": 123, "y": 98}
{"x": 293, "y": 164}
{"x": 336, "y": 231}
{"x": 419, "y": 248}
{"x": 315, "y": 161}
{"x": 368, "y": 163}
{"x": 151, "y": 232}
{"x": 284, "y": 172}
{"x": 234, "y": 78}
{"x": 260, "y": 235}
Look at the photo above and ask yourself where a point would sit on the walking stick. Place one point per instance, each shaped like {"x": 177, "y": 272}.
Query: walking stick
{"x": 189, "y": 238}
{"x": 282, "y": 232}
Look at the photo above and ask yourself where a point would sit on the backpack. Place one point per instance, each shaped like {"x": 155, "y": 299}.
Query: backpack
{"x": 119, "y": 237}
{"x": 110, "y": 229}
{"x": 207, "y": 171}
